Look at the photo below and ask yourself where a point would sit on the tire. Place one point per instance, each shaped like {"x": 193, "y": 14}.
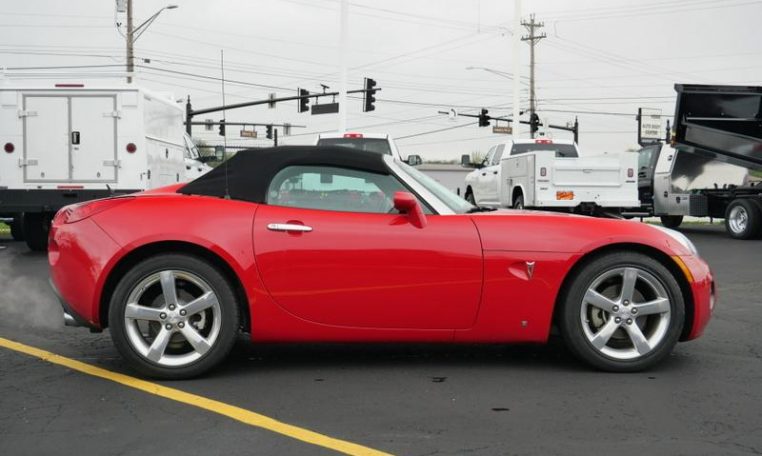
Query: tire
{"x": 17, "y": 228}
{"x": 588, "y": 320}
{"x": 518, "y": 202}
{"x": 153, "y": 335}
{"x": 36, "y": 227}
{"x": 671, "y": 221}
{"x": 470, "y": 197}
{"x": 743, "y": 219}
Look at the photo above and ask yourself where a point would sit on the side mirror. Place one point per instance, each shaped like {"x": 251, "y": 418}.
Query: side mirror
{"x": 465, "y": 161}
{"x": 219, "y": 153}
{"x": 414, "y": 160}
{"x": 407, "y": 204}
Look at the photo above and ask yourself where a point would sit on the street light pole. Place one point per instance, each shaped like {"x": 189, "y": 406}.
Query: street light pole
{"x": 133, "y": 33}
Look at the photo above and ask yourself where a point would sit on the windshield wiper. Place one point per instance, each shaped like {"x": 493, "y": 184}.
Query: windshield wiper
{"x": 480, "y": 209}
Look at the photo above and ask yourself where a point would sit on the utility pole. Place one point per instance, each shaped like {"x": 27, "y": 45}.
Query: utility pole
{"x": 343, "y": 37}
{"x": 130, "y": 55}
{"x": 516, "y": 39}
{"x": 532, "y": 38}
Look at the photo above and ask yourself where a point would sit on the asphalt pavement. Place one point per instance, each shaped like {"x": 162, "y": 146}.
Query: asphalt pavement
{"x": 399, "y": 398}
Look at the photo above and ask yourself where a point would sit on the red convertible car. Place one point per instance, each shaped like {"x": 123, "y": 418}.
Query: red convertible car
{"x": 326, "y": 244}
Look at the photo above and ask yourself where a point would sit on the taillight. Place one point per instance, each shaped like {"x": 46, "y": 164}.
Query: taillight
{"x": 131, "y": 148}
{"x": 77, "y": 212}
{"x": 9, "y": 147}
{"x": 630, "y": 172}
{"x": 353, "y": 135}
{"x": 543, "y": 172}
{"x": 543, "y": 141}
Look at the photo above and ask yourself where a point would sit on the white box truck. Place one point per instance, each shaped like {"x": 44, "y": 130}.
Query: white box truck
{"x": 67, "y": 142}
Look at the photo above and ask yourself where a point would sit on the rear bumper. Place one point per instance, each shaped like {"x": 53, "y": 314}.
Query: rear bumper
{"x": 78, "y": 255}
{"x": 704, "y": 297}
{"x": 71, "y": 318}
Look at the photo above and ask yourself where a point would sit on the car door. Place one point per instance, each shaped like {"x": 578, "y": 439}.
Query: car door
{"x": 491, "y": 175}
{"x": 331, "y": 249}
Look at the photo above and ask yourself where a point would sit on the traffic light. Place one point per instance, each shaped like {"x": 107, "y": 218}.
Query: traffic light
{"x": 222, "y": 127}
{"x": 304, "y": 102}
{"x": 369, "y": 97}
{"x": 269, "y": 130}
{"x": 484, "y": 118}
{"x": 534, "y": 123}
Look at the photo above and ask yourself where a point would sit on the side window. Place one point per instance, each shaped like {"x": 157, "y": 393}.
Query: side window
{"x": 333, "y": 189}
{"x": 498, "y": 154}
{"x": 488, "y": 159}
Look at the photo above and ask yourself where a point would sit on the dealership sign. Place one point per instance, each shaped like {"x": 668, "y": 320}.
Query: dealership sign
{"x": 650, "y": 126}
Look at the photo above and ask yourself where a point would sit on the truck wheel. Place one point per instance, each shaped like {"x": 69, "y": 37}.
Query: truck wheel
{"x": 36, "y": 226}
{"x": 671, "y": 221}
{"x": 518, "y": 202}
{"x": 743, "y": 219}
{"x": 17, "y": 228}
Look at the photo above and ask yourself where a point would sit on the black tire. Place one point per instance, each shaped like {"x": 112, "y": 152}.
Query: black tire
{"x": 664, "y": 328}
{"x": 518, "y": 202}
{"x": 36, "y": 227}
{"x": 17, "y": 228}
{"x": 748, "y": 210}
{"x": 228, "y": 312}
{"x": 671, "y": 221}
{"x": 470, "y": 197}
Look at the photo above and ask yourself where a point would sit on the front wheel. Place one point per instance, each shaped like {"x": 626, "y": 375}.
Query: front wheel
{"x": 623, "y": 312}
{"x": 173, "y": 316}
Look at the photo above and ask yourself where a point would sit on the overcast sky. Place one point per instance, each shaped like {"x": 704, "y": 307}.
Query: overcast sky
{"x": 602, "y": 59}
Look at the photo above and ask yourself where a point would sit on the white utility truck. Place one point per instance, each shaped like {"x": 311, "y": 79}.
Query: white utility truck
{"x": 371, "y": 142}
{"x": 549, "y": 174}
{"x": 67, "y": 142}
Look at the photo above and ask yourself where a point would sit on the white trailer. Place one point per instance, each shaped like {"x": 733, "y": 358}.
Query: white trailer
{"x": 70, "y": 142}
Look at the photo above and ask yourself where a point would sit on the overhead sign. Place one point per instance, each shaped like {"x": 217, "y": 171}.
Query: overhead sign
{"x": 325, "y": 108}
{"x": 651, "y": 127}
{"x": 502, "y": 130}
{"x": 248, "y": 133}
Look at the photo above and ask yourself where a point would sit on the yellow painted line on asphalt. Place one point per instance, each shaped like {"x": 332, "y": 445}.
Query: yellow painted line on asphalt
{"x": 220, "y": 408}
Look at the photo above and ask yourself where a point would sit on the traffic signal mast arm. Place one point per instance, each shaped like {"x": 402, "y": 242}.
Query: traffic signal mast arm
{"x": 484, "y": 119}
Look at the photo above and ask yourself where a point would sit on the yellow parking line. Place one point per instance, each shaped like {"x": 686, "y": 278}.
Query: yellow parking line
{"x": 221, "y": 408}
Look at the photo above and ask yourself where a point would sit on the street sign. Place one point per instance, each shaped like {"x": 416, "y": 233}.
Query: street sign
{"x": 650, "y": 123}
{"x": 325, "y": 108}
{"x": 502, "y": 130}
{"x": 248, "y": 133}
{"x": 453, "y": 114}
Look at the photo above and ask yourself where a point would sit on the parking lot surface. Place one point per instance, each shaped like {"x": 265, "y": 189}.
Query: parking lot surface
{"x": 401, "y": 399}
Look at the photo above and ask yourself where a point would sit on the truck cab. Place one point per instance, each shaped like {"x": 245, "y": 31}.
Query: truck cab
{"x": 372, "y": 142}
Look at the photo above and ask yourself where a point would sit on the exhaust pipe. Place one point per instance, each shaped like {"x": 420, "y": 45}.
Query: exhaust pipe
{"x": 69, "y": 320}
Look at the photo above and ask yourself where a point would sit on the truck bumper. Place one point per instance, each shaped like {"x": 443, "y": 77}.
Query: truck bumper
{"x": 50, "y": 200}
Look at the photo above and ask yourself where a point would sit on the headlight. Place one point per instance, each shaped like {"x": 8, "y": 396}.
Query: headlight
{"x": 679, "y": 237}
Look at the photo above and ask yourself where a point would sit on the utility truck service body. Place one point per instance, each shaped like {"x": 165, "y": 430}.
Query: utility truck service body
{"x": 547, "y": 174}
{"x": 65, "y": 143}
{"x": 705, "y": 172}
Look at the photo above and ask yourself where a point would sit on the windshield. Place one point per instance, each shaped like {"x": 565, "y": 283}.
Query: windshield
{"x": 644, "y": 157}
{"x": 562, "y": 150}
{"x": 450, "y": 199}
{"x": 378, "y": 145}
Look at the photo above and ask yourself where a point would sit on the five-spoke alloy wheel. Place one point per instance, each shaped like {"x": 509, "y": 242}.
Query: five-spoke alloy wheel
{"x": 622, "y": 312}
{"x": 173, "y": 316}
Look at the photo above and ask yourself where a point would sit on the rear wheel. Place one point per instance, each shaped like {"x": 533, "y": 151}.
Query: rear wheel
{"x": 36, "y": 226}
{"x": 671, "y": 221}
{"x": 17, "y": 228}
{"x": 173, "y": 316}
{"x": 518, "y": 202}
{"x": 623, "y": 312}
{"x": 743, "y": 219}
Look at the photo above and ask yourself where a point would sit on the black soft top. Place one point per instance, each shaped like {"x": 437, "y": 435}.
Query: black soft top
{"x": 250, "y": 171}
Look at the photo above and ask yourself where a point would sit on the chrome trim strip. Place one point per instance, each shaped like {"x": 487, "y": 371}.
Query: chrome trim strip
{"x": 289, "y": 227}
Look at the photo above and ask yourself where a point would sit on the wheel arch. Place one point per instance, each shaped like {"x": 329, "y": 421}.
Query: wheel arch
{"x": 652, "y": 252}
{"x": 156, "y": 248}
{"x": 517, "y": 190}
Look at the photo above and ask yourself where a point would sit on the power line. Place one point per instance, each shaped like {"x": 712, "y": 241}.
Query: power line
{"x": 421, "y": 133}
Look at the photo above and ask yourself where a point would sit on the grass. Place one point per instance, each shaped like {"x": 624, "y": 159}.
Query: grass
{"x": 4, "y": 229}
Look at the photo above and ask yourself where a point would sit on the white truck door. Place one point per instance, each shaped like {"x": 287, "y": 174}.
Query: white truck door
{"x": 46, "y": 138}
{"x": 93, "y": 139}
{"x": 491, "y": 176}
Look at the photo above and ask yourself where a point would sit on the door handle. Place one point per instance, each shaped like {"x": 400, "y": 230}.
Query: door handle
{"x": 289, "y": 227}
{"x": 494, "y": 172}
{"x": 484, "y": 174}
